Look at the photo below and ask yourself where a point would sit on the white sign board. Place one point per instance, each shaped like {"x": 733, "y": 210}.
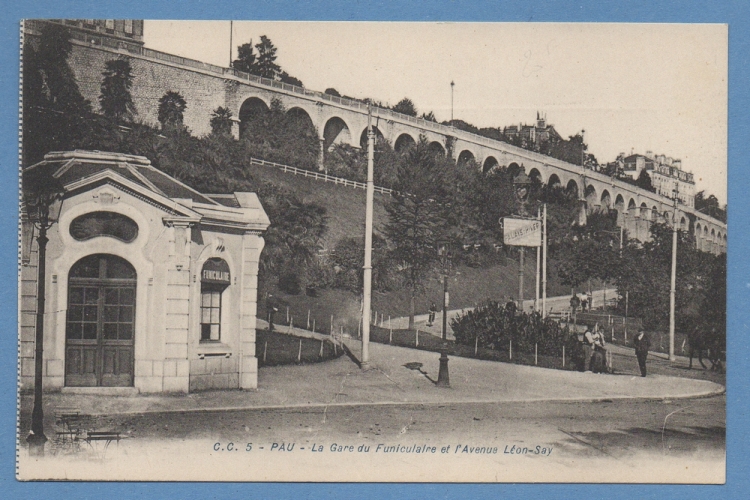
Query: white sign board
{"x": 522, "y": 232}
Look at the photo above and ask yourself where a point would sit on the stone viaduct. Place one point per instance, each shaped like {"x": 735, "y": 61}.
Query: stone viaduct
{"x": 338, "y": 120}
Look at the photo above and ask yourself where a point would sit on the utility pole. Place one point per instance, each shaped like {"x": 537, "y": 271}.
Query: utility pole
{"x": 231, "y": 33}
{"x": 520, "y": 278}
{"x": 544, "y": 261}
{"x": 538, "y": 265}
{"x": 452, "y": 84}
{"x": 367, "y": 292}
{"x": 673, "y": 281}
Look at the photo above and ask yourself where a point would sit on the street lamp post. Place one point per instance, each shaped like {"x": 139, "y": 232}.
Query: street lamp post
{"x": 42, "y": 203}
{"x": 521, "y": 185}
{"x": 452, "y": 85}
{"x": 444, "y": 251}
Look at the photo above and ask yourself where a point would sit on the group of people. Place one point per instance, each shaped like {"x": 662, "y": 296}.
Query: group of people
{"x": 577, "y": 302}
{"x": 595, "y": 354}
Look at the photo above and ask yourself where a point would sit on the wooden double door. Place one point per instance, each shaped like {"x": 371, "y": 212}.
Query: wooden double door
{"x": 100, "y": 326}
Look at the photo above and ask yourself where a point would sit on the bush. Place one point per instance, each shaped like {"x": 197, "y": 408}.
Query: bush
{"x": 492, "y": 327}
{"x": 289, "y": 282}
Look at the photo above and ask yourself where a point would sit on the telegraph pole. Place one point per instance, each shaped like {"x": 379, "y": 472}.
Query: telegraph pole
{"x": 538, "y": 264}
{"x": 367, "y": 292}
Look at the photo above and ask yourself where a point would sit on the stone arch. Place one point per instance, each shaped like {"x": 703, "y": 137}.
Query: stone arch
{"x": 654, "y": 213}
{"x": 303, "y": 119}
{"x": 683, "y": 224}
{"x": 536, "y": 175}
{"x": 489, "y": 163}
{"x": 606, "y": 199}
{"x": 705, "y": 232}
{"x": 572, "y": 188}
{"x": 713, "y": 235}
{"x": 363, "y": 136}
{"x": 404, "y": 142}
{"x": 336, "y": 131}
{"x": 644, "y": 211}
{"x": 513, "y": 169}
{"x": 590, "y": 195}
{"x": 620, "y": 203}
{"x": 437, "y": 148}
{"x": 466, "y": 156}
{"x": 553, "y": 181}
{"x": 251, "y": 109}
{"x": 631, "y": 207}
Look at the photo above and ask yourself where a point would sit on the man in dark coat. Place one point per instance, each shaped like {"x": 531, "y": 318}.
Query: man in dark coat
{"x": 642, "y": 344}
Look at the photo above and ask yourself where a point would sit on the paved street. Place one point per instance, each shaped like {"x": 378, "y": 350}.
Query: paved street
{"x": 630, "y": 428}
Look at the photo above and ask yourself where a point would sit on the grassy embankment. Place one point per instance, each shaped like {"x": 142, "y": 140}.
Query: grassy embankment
{"x": 346, "y": 217}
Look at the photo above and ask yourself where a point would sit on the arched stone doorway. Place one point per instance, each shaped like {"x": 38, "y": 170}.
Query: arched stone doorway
{"x": 99, "y": 329}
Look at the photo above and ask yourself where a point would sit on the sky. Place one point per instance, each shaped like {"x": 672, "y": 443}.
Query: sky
{"x": 631, "y": 87}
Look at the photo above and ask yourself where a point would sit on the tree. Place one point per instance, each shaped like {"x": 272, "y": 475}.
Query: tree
{"x": 221, "y": 121}
{"x": 332, "y": 91}
{"x": 56, "y": 117}
{"x": 288, "y": 138}
{"x": 115, "y": 99}
{"x": 430, "y": 117}
{"x": 418, "y": 215}
{"x": 171, "y": 109}
{"x": 287, "y": 78}
{"x": 266, "y": 63}
{"x": 246, "y": 59}
{"x": 406, "y": 107}
{"x": 644, "y": 181}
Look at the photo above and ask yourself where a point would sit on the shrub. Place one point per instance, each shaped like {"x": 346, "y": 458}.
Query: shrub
{"x": 492, "y": 327}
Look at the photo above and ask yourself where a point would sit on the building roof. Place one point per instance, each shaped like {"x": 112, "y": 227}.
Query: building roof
{"x": 76, "y": 169}
{"x": 77, "y": 165}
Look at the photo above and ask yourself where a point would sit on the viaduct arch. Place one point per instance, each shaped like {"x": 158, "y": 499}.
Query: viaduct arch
{"x": 338, "y": 120}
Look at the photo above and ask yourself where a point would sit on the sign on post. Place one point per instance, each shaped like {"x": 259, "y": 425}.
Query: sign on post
{"x": 522, "y": 232}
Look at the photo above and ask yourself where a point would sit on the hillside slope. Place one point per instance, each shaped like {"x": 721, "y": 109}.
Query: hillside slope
{"x": 346, "y": 216}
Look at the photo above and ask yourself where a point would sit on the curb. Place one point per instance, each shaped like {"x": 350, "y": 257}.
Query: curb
{"x": 601, "y": 399}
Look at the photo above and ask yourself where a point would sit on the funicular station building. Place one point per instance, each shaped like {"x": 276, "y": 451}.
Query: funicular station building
{"x": 151, "y": 286}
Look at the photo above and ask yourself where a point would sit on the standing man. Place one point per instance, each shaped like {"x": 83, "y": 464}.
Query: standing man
{"x": 642, "y": 344}
{"x": 588, "y": 348}
{"x": 510, "y": 307}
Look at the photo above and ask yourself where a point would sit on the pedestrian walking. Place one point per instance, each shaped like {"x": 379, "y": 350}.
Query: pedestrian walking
{"x": 574, "y": 303}
{"x": 272, "y": 309}
{"x": 431, "y": 317}
{"x": 641, "y": 343}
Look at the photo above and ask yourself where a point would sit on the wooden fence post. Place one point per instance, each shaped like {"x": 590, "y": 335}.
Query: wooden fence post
{"x": 476, "y": 345}
{"x": 265, "y": 348}
{"x": 299, "y": 353}
{"x": 536, "y": 360}
{"x": 510, "y": 349}
{"x": 563, "y": 356}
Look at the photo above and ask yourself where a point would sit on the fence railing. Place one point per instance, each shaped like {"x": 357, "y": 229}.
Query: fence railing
{"x": 320, "y": 176}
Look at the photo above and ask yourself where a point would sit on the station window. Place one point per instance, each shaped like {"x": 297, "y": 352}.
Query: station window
{"x": 215, "y": 279}
{"x": 210, "y": 314}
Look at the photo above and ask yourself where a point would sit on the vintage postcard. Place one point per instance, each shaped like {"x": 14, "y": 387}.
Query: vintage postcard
{"x": 372, "y": 252}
